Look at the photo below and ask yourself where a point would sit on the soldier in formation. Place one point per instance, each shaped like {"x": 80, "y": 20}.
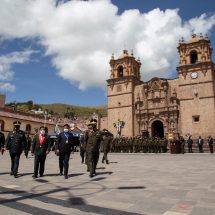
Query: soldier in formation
{"x": 139, "y": 144}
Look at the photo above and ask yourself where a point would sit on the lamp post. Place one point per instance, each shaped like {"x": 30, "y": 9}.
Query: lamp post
{"x": 45, "y": 117}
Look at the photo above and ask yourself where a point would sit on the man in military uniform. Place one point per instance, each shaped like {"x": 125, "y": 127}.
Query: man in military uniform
{"x": 2, "y": 142}
{"x": 15, "y": 143}
{"x": 82, "y": 148}
{"x": 64, "y": 144}
{"x": 92, "y": 139}
{"x": 28, "y": 140}
{"x": 107, "y": 139}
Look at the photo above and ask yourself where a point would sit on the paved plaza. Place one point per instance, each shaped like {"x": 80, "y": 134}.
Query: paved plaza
{"x": 149, "y": 184}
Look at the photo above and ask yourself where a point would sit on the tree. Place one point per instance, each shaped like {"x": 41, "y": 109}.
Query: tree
{"x": 37, "y": 107}
{"x": 30, "y": 104}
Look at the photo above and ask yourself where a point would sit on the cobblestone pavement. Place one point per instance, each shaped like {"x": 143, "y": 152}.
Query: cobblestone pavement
{"x": 148, "y": 184}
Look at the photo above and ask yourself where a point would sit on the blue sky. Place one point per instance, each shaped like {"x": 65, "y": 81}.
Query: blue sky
{"x": 54, "y": 61}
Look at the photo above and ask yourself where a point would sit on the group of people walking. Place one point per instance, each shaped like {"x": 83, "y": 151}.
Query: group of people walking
{"x": 17, "y": 142}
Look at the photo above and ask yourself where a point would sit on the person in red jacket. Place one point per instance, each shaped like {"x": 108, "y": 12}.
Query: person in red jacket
{"x": 41, "y": 146}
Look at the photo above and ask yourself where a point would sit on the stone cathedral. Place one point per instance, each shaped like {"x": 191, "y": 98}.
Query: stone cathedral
{"x": 182, "y": 105}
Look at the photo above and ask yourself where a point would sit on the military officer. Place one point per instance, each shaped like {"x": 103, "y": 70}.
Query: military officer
{"x": 41, "y": 146}
{"x": 82, "y": 148}
{"x": 15, "y": 143}
{"x": 92, "y": 139}
{"x": 107, "y": 139}
{"x": 2, "y": 142}
{"x": 64, "y": 146}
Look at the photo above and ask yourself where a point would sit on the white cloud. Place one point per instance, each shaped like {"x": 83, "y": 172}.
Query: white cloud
{"x": 7, "y": 87}
{"x": 81, "y": 35}
{"x": 6, "y": 71}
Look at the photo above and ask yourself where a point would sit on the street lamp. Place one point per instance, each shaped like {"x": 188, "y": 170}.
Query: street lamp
{"x": 45, "y": 116}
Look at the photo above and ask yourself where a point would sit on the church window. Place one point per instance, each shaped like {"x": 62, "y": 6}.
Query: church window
{"x": 120, "y": 71}
{"x": 193, "y": 57}
{"x": 195, "y": 118}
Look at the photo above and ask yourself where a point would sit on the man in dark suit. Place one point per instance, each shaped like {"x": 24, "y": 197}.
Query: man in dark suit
{"x": 29, "y": 140}
{"x": 64, "y": 146}
{"x": 40, "y": 148}
{"x": 15, "y": 143}
{"x": 210, "y": 144}
{"x": 200, "y": 143}
{"x": 190, "y": 144}
{"x": 2, "y": 142}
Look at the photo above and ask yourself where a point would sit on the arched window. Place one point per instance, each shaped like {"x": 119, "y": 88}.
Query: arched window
{"x": 120, "y": 71}
{"x": 28, "y": 128}
{"x": 2, "y": 125}
{"x": 193, "y": 57}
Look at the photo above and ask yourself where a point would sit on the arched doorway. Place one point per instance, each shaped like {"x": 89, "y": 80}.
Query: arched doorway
{"x": 157, "y": 129}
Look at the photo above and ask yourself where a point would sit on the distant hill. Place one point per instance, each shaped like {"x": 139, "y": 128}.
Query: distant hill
{"x": 61, "y": 109}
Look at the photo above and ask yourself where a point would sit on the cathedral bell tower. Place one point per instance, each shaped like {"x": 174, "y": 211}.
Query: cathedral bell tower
{"x": 125, "y": 75}
{"x": 196, "y": 86}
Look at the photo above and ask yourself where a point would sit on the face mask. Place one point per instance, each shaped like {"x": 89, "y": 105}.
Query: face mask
{"x": 65, "y": 130}
{"x": 90, "y": 127}
{"x": 42, "y": 132}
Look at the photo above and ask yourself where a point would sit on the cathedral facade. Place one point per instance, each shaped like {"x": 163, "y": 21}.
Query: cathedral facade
{"x": 160, "y": 106}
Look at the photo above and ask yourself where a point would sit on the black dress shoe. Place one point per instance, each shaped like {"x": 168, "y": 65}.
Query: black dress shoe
{"x": 11, "y": 173}
{"x": 41, "y": 175}
{"x": 66, "y": 176}
{"x": 107, "y": 162}
{"x": 91, "y": 175}
{"x": 15, "y": 176}
{"x": 60, "y": 173}
{"x": 34, "y": 176}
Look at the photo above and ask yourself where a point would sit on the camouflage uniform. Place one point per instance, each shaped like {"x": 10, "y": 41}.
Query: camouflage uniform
{"x": 92, "y": 140}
